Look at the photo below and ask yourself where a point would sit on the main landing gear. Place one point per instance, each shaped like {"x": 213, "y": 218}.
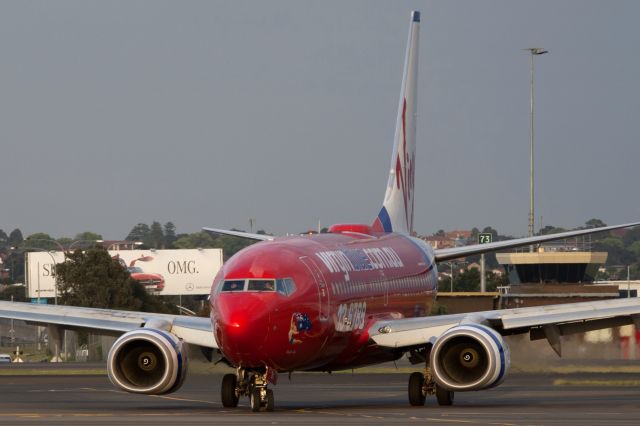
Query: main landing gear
{"x": 422, "y": 384}
{"x": 245, "y": 383}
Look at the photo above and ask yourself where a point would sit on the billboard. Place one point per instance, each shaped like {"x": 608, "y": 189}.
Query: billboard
{"x": 39, "y": 269}
{"x": 161, "y": 272}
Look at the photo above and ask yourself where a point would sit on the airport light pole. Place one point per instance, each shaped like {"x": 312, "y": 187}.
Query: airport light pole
{"x": 533, "y": 51}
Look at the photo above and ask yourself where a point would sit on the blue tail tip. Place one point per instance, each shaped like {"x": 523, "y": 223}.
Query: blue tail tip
{"x": 416, "y": 16}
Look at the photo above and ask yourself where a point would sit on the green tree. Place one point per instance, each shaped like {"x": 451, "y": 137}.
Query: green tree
{"x": 468, "y": 280}
{"x": 635, "y": 249}
{"x": 15, "y": 262}
{"x": 631, "y": 236}
{"x": 15, "y": 238}
{"x": 15, "y": 293}
{"x": 87, "y": 236}
{"x": 549, "y": 229}
{"x": 65, "y": 241}
{"x": 138, "y": 232}
{"x": 594, "y": 223}
{"x": 169, "y": 234}
{"x": 4, "y": 239}
{"x": 155, "y": 238}
{"x": 230, "y": 245}
{"x": 195, "y": 240}
{"x": 91, "y": 278}
{"x": 40, "y": 240}
{"x": 618, "y": 254}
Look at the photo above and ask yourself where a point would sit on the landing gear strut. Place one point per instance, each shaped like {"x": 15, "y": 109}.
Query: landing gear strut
{"x": 422, "y": 384}
{"x": 246, "y": 383}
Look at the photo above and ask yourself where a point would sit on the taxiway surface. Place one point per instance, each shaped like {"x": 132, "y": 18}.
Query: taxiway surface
{"x": 524, "y": 399}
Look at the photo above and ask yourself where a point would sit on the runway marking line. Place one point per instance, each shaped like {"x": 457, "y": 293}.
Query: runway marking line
{"x": 183, "y": 399}
{"x": 91, "y": 415}
{"x": 440, "y": 419}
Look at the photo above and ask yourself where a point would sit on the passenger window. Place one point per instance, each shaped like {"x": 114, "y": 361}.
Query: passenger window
{"x": 261, "y": 285}
{"x": 285, "y": 286}
{"x": 233, "y": 285}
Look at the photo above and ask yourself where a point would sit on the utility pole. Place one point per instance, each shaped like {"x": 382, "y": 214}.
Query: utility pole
{"x": 484, "y": 238}
{"x": 533, "y": 51}
{"x": 632, "y": 337}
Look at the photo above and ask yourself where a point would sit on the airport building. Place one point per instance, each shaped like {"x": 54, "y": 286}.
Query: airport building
{"x": 553, "y": 274}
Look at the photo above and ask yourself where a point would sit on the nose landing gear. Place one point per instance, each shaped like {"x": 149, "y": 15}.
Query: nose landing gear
{"x": 247, "y": 383}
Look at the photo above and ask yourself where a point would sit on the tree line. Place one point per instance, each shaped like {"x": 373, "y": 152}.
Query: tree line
{"x": 623, "y": 248}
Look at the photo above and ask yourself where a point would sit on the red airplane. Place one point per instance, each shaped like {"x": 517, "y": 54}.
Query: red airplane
{"x": 358, "y": 295}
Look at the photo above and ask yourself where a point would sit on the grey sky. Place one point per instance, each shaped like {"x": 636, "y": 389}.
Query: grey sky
{"x": 207, "y": 113}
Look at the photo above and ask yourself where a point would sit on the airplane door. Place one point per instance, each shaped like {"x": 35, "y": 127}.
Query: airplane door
{"x": 323, "y": 291}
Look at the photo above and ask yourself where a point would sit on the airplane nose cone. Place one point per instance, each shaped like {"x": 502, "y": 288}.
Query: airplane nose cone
{"x": 242, "y": 327}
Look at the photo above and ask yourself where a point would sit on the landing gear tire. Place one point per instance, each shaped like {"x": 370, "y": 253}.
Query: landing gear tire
{"x": 270, "y": 402}
{"x": 254, "y": 400}
{"x": 444, "y": 397}
{"x": 228, "y": 392}
{"x": 416, "y": 394}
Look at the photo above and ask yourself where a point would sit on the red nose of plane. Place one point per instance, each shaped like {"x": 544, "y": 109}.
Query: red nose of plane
{"x": 242, "y": 327}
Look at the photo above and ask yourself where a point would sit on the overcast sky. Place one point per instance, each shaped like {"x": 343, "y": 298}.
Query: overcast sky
{"x": 208, "y": 113}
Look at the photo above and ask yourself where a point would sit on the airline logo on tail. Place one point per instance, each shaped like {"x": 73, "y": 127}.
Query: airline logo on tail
{"x": 396, "y": 214}
{"x": 405, "y": 175}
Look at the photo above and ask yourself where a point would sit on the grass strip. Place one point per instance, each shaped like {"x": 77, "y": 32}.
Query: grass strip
{"x": 597, "y": 383}
{"x": 575, "y": 368}
{"x": 53, "y": 372}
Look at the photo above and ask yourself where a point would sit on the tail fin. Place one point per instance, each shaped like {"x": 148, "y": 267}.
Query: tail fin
{"x": 396, "y": 214}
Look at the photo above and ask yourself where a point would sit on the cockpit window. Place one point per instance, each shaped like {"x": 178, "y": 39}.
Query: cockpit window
{"x": 261, "y": 285}
{"x": 233, "y": 285}
{"x": 285, "y": 286}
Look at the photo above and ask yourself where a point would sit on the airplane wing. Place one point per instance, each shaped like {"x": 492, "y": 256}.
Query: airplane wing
{"x": 550, "y": 322}
{"x": 257, "y": 237}
{"x": 193, "y": 330}
{"x": 458, "y": 252}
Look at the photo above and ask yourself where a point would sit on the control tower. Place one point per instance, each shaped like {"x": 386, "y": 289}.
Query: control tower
{"x": 553, "y": 274}
{"x": 552, "y": 266}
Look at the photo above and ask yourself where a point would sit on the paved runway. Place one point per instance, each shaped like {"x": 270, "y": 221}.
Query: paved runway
{"x": 525, "y": 399}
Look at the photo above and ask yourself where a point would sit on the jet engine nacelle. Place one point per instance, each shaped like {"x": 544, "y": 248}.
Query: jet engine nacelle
{"x": 469, "y": 357}
{"x": 148, "y": 361}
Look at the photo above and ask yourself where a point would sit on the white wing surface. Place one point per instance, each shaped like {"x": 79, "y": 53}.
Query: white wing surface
{"x": 540, "y": 322}
{"x": 193, "y": 330}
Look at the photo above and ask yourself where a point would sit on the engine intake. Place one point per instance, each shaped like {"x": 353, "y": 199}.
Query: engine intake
{"x": 469, "y": 357}
{"x": 148, "y": 361}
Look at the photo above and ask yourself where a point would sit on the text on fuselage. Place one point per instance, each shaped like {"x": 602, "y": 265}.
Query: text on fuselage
{"x": 351, "y": 316}
{"x": 352, "y": 260}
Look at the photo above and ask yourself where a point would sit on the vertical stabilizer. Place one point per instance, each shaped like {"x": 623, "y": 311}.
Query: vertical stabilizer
{"x": 396, "y": 214}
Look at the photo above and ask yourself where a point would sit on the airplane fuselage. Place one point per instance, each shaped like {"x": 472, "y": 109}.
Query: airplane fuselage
{"x": 306, "y": 302}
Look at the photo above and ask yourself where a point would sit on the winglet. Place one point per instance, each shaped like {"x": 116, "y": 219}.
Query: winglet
{"x": 396, "y": 214}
